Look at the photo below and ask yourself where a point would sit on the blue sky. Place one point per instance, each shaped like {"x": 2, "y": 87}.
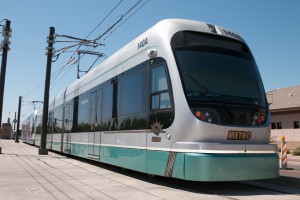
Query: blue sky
{"x": 270, "y": 27}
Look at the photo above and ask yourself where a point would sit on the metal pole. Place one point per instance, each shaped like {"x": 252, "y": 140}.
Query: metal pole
{"x": 18, "y": 122}
{"x": 43, "y": 150}
{"x": 15, "y": 121}
{"x": 6, "y": 34}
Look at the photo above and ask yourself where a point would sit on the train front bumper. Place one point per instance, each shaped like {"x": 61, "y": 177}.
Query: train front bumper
{"x": 212, "y": 162}
{"x": 220, "y": 167}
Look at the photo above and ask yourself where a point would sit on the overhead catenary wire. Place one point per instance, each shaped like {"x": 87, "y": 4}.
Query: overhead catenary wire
{"x": 122, "y": 16}
{"x": 111, "y": 27}
{"x": 95, "y": 40}
{"x": 79, "y": 44}
{"x": 99, "y": 24}
{"x": 118, "y": 21}
{"x": 104, "y": 18}
{"x": 57, "y": 80}
{"x": 70, "y": 63}
{"x": 41, "y": 84}
{"x": 3, "y": 20}
{"x": 126, "y": 20}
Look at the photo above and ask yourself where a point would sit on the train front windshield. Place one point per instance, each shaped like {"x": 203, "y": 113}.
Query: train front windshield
{"x": 220, "y": 79}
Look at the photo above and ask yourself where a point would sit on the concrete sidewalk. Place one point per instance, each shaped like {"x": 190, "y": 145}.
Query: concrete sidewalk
{"x": 26, "y": 175}
{"x": 293, "y": 158}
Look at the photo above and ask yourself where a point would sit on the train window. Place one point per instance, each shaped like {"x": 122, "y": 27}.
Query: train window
{"x": 69, "y": 116}
{"x": 155, "y": 102}
{"x": 93, "y": 110}
{"x": 159, "y": 80}
{"x": 75, "y": 114}
{"x": 84, "y": 114}
{"x": 39, "y": 124}
{"x": 165, "y": 100}
{"x": 160, "y": 97}
{"x": 50, "y": 121}
{"x": 58, "y": 114}
{"x": 107, "y": 102}
{"x": 132, "y": 94}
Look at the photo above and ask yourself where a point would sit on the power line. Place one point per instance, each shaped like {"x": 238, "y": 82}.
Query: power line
{"x": 41, "y": 84}
{"x": 126, "y": 19}
{"x": 104, "y": 19}
{"x": 55, "y": 83}
{"x": 111, "y": 27}
{"x": 99, "y": 24}
{"x": 84, "y": 42}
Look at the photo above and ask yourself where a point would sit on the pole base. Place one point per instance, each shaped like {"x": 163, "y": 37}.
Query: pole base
{"x": 286, "y": 168}
{"x": 16, "y": 141}
{"x": 43, "y": 151}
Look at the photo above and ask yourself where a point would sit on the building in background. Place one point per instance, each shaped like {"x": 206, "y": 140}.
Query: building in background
{"x": 6, "y": 132}
{"x": 285, "y": 115}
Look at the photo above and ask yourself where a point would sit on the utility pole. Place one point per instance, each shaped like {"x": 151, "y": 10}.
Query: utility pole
{"x": 42, "y": 149}
{"x": 15, "y": 121}
{"x": 18, "y": 122}
{"x": 6, "y": 33}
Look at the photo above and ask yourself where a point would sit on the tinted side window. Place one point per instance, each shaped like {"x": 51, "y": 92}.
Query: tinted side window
{"x": 161, "y": 104}
{"x": 50, "y": 122}
{"x": 160, "y": 96}
{"x": 39, "y": 124}
{"x": 69, "y": 116}
{"x": 84, "y": 113}
{"x": 75, "y": 114}
{"x": 134, "y": 94}
{"x": 58, "y": 114}
{"x": 159, "y": 80}
{"x": 107, "y": 102}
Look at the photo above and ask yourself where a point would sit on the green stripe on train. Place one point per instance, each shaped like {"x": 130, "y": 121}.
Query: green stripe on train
{"x": 189, "y": 166}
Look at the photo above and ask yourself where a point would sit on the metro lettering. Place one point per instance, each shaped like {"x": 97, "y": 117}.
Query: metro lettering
{"x": 239, "y": 135}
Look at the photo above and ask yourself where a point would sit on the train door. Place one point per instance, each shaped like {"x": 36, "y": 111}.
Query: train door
{"x": 94, "y": 138}
{"x": 68, "y": 126}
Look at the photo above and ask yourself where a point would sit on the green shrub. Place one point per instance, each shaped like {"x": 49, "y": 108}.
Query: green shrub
{"x": 296, "y": 152}
{"x": 297, "y": 148}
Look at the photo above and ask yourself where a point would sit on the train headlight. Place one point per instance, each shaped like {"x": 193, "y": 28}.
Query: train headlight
{"x": 209, "y": 120}
{"x": 259, "y": 118}
{"x": 207, "y": 115}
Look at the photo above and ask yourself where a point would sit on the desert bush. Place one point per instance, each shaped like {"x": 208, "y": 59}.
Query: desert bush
{"x": 296, "y": 152}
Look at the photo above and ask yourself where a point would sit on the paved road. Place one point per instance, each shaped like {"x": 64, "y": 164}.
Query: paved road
{"x": 26, "y": 175}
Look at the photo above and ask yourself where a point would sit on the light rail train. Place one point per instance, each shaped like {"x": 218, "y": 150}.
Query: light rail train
{"x": 184, "y": 99}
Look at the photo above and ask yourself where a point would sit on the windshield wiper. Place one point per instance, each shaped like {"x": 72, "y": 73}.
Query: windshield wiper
{"x": 205, "y": 89}
{"x": 209, "y": 94}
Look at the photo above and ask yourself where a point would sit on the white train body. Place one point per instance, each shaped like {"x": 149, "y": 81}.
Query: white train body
{"x": 150, "y": 108}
